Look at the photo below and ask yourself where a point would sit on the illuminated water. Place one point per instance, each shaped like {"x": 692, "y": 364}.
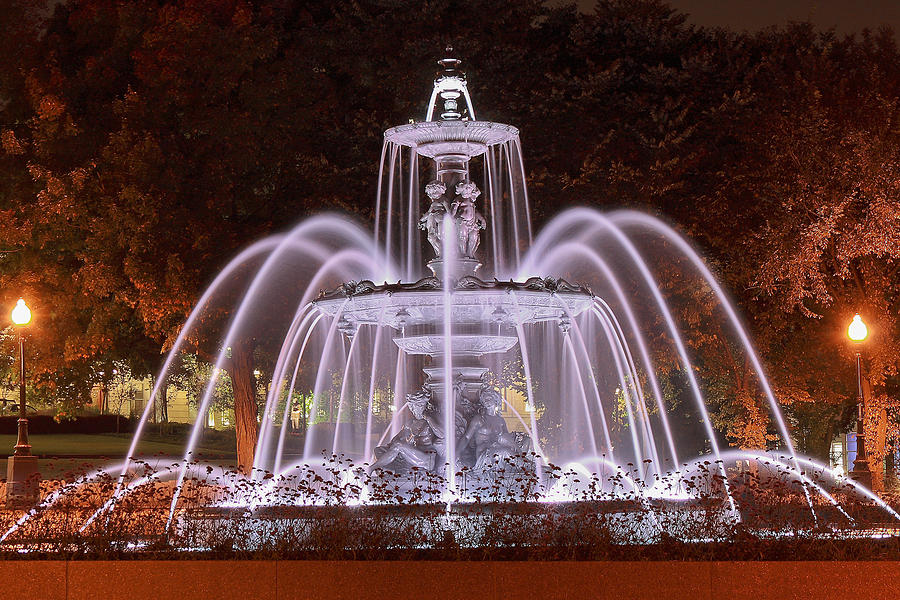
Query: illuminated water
{"x": 564, "y": 327}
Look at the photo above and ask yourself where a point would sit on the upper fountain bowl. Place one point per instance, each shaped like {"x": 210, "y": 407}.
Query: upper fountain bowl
{"x": 436, "y": 138}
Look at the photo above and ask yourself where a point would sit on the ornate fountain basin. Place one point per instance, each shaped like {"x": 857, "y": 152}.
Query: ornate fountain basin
{"x": 473, "y": 302}
{"x": 434, "y": 138}
{"x": 460, "y": 345}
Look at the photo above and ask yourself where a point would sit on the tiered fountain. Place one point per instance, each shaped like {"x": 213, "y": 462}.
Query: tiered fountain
{"x": 435, "y": 342}
{"x": 405, "y": 371}
{"x": 454, "y": 317}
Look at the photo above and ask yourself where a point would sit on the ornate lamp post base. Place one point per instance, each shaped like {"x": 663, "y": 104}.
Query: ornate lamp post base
{"x": 23, "y": 481}
{"x": 861, "y": 473}
{"x": 862, "y": 476}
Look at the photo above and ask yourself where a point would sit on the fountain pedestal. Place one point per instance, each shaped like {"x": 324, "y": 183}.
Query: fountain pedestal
{"x": 461, "y": 267}
{"x": 467, "y": 381}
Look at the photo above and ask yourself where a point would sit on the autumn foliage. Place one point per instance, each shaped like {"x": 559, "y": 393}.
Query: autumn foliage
{"x": 145, "y": 143}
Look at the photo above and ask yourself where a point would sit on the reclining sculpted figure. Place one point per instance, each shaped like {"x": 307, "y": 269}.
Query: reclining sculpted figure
{"x": 420, "y": 443}
{"x": 487, "y": 431}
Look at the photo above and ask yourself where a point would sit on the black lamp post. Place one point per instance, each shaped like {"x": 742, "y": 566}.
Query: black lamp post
{"x": 23, "y": 483}
{"x": 858, "y": 332}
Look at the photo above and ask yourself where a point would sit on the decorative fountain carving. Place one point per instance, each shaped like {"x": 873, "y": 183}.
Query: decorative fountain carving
{"x": 420, "y": 443}
{"x": 488, "y": 434}
{"x": 466, "y": 218}
{"x": 482, "y": 317}
{"x": 482, "y": 440}
{"x": 469, "y": 222}
{"x": 433, "y": 220}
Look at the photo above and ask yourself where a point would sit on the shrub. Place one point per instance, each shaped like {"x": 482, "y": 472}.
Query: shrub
{"x": 337, "y": 511}
{"x": 46, "y": 424}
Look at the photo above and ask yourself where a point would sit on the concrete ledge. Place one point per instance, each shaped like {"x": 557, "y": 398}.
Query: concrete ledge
{"x": 152, "y": 580}
{"x": 33, "y": 579}
{"x": 414, "y": 580}
{"x": 804, "y": 580}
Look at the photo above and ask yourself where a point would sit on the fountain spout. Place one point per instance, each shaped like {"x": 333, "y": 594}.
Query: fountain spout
{"x": 451, "y": 167}
{"x": 449, "y": 89}
{"x": 451, "y": 137}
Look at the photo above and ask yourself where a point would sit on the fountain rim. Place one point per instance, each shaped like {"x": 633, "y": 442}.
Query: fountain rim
{"x": 366, "y": 287}
{"x": 434, "y": 138}
{"x": 516, "y": 302}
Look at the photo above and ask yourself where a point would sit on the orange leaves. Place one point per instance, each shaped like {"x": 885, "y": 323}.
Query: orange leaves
{"x": 243, "y": 15}
{"x": 11, "y": 144}
{"x": 50, "y": 108}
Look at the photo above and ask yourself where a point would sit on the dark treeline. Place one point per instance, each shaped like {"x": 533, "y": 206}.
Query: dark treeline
{"x": 145, "y": 143}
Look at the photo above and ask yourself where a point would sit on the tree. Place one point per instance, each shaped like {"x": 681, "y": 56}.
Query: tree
{"x": 144, "y": 144}
{"x": 122, "y": 390}
{"x": 145, "y": 116}
{"x": 50, "y": 125}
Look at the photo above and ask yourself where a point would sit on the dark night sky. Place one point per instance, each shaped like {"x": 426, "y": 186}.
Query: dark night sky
{"x": 847, "y": 16}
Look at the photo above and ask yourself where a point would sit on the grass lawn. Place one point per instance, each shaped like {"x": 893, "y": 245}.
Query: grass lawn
{"x": 108, "y": 445}
{"x": 99, "y": 450}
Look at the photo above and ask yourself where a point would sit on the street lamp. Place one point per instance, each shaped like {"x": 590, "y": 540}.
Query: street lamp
{"x": 22, "y": 479}
{"x": 858, "y": 332}
{"x": 21, "y": 316}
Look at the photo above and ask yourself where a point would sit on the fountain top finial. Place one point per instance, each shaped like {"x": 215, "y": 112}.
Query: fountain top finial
{"x": 450, "y": 127}
{"x": 451, "y": 91}
{"x": 450, "y": 65}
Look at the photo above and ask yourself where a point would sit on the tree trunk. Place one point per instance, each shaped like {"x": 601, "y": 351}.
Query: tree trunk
{"x": 823, "y": 449}
{"x": 875, "y": 427}
{"x": 304, "y": 418}
{"x": 245, "y": 407}
{"x": 877, "y": 465}
{"x": 163, "y": 401}
{"x": 890, "y": 475}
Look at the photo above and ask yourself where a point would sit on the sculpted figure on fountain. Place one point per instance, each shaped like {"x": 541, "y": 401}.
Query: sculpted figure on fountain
{"x": 488, "y": 435}
{"x": 465, "y": 407}
{"x": 432, "y": 221}
{"x": 420, "y": 443}
{"x": 469, "y": 222}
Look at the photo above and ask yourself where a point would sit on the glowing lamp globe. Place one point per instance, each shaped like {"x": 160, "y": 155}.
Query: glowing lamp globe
{"x": 21, "y": 314}
{"x": 857, "y": 330}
